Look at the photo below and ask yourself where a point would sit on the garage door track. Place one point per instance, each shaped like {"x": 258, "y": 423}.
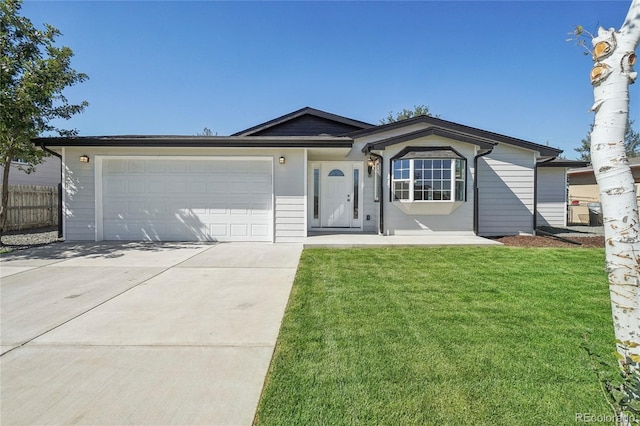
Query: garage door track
{"x": 140, "y": 333}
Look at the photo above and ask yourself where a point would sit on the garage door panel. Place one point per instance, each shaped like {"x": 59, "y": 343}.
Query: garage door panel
{"x": 176, "y": 166}
{"x": 136, "y": 166}
{"x": 200, "y": 167}
{"x": 217, "y": 187}
{"x": 239, "y": 187}
{"x": 157, "y": 187}
{"x": 239, "y": 230}
{"x": 261, "y": 167}
{"x": 198, "y": 187}
{"x": 260, "y": 187}
{"x": 137, "y": 187}
{"x": 187, "y": 199}
{"x": 156, "y": 166}
{"x": 177, "y": 186}
{"x": 218, "y": 229}
{"x": 260, "y": 230}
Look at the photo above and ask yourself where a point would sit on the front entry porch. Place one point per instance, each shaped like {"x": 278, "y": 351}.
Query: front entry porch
{"x": 336, "y": 190}
{"x": 438, "y": 239}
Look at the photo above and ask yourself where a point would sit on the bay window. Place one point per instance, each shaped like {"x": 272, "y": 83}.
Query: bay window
{"x": 432, "y": 175}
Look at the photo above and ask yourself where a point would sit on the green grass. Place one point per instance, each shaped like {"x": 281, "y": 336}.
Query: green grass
{"x": 440, "y": 336}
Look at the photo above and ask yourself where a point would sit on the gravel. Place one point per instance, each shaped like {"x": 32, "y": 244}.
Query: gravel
{"x": 16, "y": 240}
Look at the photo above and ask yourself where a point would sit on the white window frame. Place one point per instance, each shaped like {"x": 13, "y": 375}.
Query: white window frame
{"x": 453, "y": 179}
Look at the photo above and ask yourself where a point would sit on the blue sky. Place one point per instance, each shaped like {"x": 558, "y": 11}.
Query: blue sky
{"x": 175, "y": 67}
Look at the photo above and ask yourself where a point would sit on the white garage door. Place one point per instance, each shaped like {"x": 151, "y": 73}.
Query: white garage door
{"x": 187, "y": 199}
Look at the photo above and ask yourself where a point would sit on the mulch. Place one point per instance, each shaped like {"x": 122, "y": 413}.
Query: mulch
{"x": 543, "y": 241}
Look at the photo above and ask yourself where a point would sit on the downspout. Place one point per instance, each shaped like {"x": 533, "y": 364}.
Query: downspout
{"x": 476, "y": 208}
{"x": 380, "y": 186}
{"x": 55, "y": 154}
{"x": 535, "y": 193}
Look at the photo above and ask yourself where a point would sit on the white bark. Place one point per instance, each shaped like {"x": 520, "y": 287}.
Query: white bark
{"x": 612, "y": 73}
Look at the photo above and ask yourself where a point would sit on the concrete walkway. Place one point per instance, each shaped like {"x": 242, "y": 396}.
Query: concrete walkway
{"x": 134, "y": 333}
{"x": 373, "y": 240}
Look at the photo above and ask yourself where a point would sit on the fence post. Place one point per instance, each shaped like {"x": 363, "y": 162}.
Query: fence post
{"x": 60, "y": 231}
{"x": 50, "y": 194}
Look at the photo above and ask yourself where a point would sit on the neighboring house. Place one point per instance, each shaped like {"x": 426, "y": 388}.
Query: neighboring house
{"x": 583, "y": 190}
{"x": 46, "y": 173}
{"x": 309, "y": 171}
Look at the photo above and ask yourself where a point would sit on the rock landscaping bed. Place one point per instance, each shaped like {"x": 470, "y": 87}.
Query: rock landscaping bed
{"x": 17, "y": 240}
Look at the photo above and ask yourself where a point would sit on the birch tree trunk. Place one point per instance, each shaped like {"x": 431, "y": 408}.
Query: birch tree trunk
{"x": 614, "y": 56}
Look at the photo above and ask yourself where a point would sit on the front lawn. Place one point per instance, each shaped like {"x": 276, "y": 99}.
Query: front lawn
{"x": 440, "y": 336}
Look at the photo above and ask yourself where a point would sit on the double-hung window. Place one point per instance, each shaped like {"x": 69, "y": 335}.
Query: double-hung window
{"x": 429, "y": 175}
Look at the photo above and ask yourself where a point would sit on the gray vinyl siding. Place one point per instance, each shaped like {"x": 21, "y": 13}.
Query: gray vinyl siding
{"x": 552, "y": 193}
{"x": 289, "y": 219}
{"x": 506, "y": 191}
{"x": 78, "y": 208}
{"x": 289, "y": 197}
{"x": 369, "y": 206}
{"x": 46, "y": 173}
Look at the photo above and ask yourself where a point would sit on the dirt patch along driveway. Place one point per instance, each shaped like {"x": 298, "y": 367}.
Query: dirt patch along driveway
{"x": 140, "y": 333}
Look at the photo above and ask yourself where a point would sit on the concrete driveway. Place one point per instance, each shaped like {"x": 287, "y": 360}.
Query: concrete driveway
{"x": 136, "y": 333}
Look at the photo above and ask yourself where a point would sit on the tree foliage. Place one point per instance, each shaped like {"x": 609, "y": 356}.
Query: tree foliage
{"x": 417, "y": 110}
{"x": 206, "y": 132}
{"x": 33, "y": 75}
{"x": 631, "y": 143}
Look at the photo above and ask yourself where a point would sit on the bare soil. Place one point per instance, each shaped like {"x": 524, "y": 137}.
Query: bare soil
{"x": 543, "y": 241}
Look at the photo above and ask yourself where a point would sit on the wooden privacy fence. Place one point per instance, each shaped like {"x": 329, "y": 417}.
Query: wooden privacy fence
{"x": 32, "y": 206}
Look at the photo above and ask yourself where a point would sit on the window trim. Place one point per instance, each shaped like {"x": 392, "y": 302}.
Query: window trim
{"x": 406, "y": 154}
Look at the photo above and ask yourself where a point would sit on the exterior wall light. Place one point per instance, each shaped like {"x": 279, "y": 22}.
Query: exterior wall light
{"x": 282, "y": 159}
{"x": 371, "y": 163}
{"x": 84, "y": 158}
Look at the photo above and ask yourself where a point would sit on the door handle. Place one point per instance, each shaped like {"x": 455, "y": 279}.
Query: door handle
{"x": 349, "y": 197}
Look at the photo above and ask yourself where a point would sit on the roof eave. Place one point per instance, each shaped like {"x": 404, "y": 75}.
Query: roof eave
{"x": 198, "y": 142}
{"x": 563, "y": 163}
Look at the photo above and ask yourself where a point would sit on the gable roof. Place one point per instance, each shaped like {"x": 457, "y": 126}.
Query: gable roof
{"x": 383, "y": 143}
{"x": 453, "y": 130}
{"x": 306, "y": 122}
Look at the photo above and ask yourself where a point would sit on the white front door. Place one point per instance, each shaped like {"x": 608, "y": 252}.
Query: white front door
{"x": 337, "y": 199}
{"x": 336, "y": 188}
